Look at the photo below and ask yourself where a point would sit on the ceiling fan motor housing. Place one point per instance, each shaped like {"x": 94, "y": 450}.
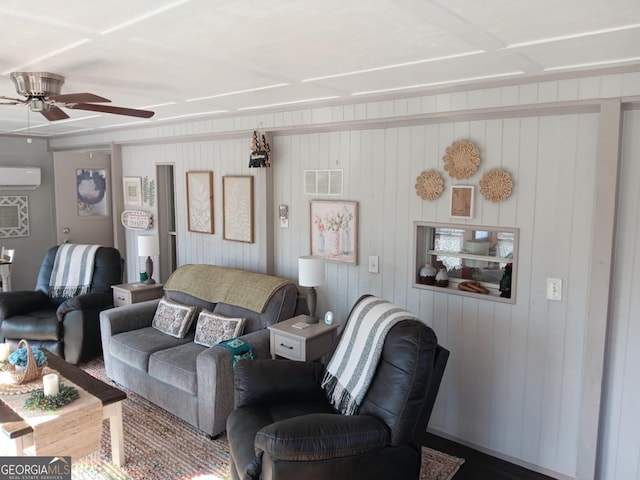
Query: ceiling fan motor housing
{"x": 37, "y": 84}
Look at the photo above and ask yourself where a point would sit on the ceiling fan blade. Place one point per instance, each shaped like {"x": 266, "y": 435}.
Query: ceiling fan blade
{"x": 12, "y": 101}
{"x": 131, "y": 112}
{"x": 78, "y": 98}
{"x": 54, "y": 113}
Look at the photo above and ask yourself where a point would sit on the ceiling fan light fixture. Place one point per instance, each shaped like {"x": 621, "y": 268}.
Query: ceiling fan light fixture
{"x": 38, "y": 105}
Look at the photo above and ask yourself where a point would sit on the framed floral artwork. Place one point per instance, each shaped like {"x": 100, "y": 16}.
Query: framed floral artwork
{"x": 200, "y": 201}
{"x": 334, "y": 230}
{"x": 92, "y": 192}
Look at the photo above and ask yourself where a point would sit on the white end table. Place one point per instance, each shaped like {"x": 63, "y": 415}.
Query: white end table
{"x": 302, "y": 344}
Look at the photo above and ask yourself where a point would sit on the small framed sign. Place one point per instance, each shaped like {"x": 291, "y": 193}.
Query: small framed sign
{"x": 461, "y": 201}
{"x": 132, "y": 187}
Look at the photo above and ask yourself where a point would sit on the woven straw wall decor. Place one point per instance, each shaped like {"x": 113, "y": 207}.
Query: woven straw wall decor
{"x": 496, "y": 185}
{"x": 462, "y": 159}
{"x": 429, "y": 185}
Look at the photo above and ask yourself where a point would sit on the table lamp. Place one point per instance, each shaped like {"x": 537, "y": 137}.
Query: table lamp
{"x": 311, "y": 274}
{"x": 148, "y": 246}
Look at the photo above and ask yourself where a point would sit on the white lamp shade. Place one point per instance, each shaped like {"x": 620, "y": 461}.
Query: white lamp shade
{"x": 310, "y": 271}
{"x": 148, "y": 245}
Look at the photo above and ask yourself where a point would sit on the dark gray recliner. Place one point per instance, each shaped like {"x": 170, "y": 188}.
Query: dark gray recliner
{"x": 69, "y": 328}
{"x": 285, "y": 428}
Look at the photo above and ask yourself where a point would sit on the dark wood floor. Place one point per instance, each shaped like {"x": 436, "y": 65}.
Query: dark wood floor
{"x": 480, "y": 466}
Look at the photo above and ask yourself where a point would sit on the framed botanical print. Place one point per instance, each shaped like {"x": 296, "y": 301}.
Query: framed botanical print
{"x": 237, "y": 206}
{"x": 200, "y": 201}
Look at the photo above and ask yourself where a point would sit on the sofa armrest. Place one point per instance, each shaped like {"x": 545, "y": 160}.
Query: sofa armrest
{"x": 216, "y": 395}
{"x": 128, "y": 317}
{"x": 88, "y": 301}
{"x": 321, "y": 436}
{"x": 259, "y": 382}
{"x": 259, "y": 342}
{"x": 21, "y": 302}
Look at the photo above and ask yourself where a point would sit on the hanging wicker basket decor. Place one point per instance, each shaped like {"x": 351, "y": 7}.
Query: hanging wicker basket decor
{"x": 429, "y": 185}
{"x": 462, "y": 159}
{"x": 496, "y": 185}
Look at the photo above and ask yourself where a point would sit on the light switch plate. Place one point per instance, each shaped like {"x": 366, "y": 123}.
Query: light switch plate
{"x": 554, "y": 289}
{"x": 373, "y": 264}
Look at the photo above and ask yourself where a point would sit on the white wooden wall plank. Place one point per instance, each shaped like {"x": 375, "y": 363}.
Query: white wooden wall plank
{"x": 621, "y": 436}
{"x": 389, "y": 210}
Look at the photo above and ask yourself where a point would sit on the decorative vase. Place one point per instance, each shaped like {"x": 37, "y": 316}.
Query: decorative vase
{"x": 320, "y": 242}
{"x": 442, "y": 279}
{"x": 346, "y": 242}
{"x": 428, "y": 275}
{"x": 334, "y": 243}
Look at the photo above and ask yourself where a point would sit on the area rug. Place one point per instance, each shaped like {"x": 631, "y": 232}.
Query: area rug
{"x": 160, "y": 446}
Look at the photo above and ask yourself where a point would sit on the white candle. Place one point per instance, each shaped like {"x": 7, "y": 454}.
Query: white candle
{"x": 4, "y": 352}
{"x": 50, "y": 384}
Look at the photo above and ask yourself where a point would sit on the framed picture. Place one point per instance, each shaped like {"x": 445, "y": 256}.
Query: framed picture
{"x": 237, "y": 207}
{"x": 200, "y": 201}
{"x": 14, "y": 216}
{"x": 333, "y": 228}
{"x": 132, "y": 187}
{"x": 461, "y": 201}
{"x": 92, "y": 193}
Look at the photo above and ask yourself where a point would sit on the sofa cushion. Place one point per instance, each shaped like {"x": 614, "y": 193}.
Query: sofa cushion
{"x": 173, "y": 318}
{"x": 214, "y": 328}
{"x": 177, "y": 366}
{"x": 136, "y": 346}
{"x": 186, "y": 299}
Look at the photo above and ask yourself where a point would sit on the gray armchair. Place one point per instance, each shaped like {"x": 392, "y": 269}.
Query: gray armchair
{"x": 286, "y": 425}
{"x": 68, "y": 327}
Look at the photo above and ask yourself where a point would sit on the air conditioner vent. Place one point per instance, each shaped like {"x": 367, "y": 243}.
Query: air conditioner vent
{"x": 19, "y": 178}
{"x": 323, "y": 182}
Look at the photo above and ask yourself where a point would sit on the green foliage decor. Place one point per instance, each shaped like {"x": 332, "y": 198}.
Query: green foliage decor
{"x": 38, "y": 401}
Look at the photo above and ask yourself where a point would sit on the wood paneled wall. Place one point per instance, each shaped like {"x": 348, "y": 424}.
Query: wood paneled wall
{"x": 514, "y": 384}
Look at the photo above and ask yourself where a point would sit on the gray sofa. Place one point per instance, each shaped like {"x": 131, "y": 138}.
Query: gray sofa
{"x": 189, "y": 380}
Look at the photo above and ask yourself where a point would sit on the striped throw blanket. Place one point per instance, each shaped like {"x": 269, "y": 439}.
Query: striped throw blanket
{"x": 72, "y": 270}
{"x": 354, "y": 362}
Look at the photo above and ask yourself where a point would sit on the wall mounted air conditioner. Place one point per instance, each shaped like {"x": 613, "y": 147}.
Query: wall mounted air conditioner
{"x": 19, "y": 178}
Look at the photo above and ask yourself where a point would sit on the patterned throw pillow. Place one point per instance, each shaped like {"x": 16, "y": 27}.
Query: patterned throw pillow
{"x": 213, "y": 328}
{"x": 173, "y": 318}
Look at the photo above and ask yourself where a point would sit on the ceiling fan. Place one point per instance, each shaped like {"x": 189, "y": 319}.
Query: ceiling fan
{"x": 42, "y": 92}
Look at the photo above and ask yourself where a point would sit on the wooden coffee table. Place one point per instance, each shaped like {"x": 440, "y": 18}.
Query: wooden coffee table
{"x": 21, "y": 434}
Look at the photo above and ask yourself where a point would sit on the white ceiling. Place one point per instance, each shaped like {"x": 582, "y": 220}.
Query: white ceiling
{"x": 247, "y": 55}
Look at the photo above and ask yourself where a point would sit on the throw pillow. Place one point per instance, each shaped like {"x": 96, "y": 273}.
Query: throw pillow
{"x": 173, "y": 318}
{"x": 213, "y": 328}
